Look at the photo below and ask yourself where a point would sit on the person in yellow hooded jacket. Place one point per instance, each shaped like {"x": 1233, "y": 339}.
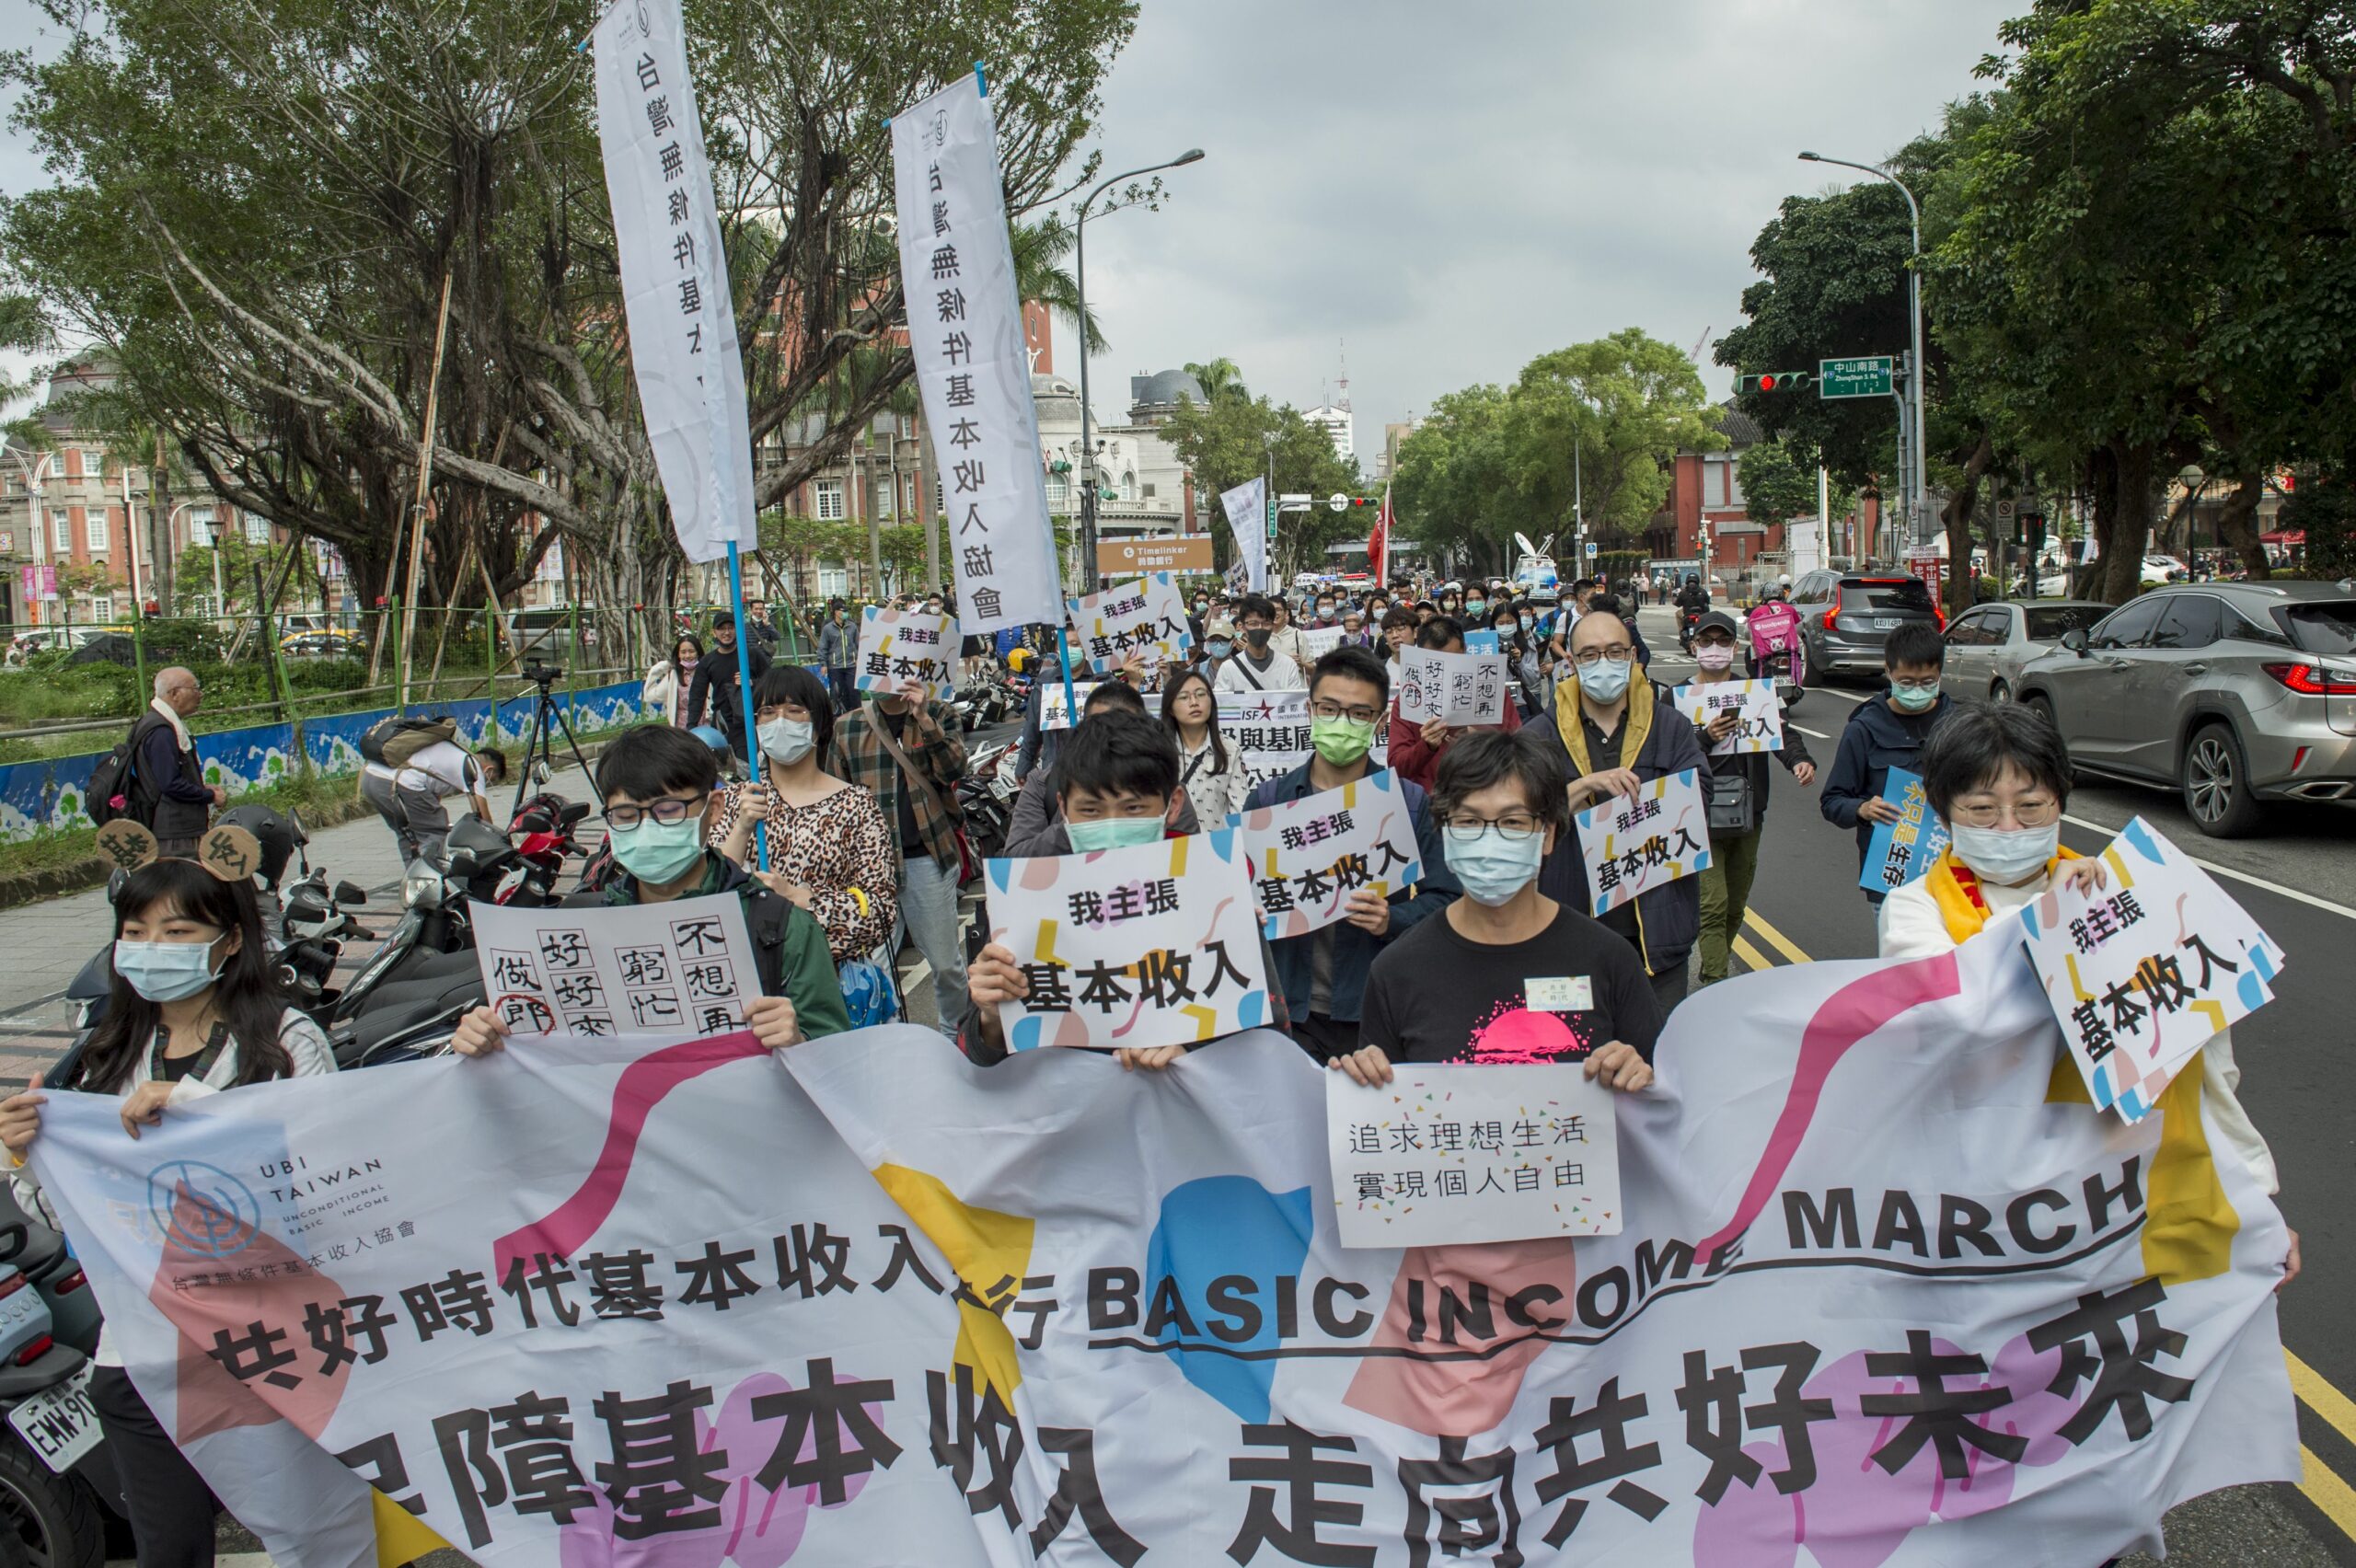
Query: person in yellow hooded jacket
{"x": 1998, "y": 775}
{"x": 1618, "y": 731}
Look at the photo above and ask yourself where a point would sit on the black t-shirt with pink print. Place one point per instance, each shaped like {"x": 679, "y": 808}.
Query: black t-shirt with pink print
{"x": 1434, "y": 996}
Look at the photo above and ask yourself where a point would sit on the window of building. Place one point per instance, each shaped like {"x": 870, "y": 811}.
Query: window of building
{"x": 1149, "y": 492}
{"x": 1128, "y": 487}
{"x": 61, "y": 531}
{"x": 833, "y": 580}
{"x": 97, "y": 529}
{"x": 1058, "y": 492}
{"x": 885, "y": 500}
{"x": 200, "y": 527}
{"x": 827, "y": 500}
{"x": 257, "y": 530}
{"x": 102, "y": 607}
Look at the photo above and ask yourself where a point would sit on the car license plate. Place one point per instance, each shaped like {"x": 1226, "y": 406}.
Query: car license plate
{"x": 60, "y": 1424}
{"x": 1884, "y": 623}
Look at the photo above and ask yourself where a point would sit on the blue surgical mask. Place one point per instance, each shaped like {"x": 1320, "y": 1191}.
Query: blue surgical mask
{"x": 1529, "y": 623}
{"x": 166, "y": 972}
{"x": 1490, "y": 866}
{"x": 1475, "y": 607}
{"x": 1606, "y": 680}
{"x": 2006, "y": 857}
{"x": 660, "y": 852}
{"x": 787, "y": 740}
{"x": 1218, "y": 647}
{"x": 1113, "y": 833}
{"x": 1914, "y": 699}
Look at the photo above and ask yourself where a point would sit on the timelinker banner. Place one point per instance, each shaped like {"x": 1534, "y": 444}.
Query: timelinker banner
{"x": 1884, "y": 1281}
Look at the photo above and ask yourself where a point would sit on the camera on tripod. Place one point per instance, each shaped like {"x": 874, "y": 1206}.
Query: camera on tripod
{"x": 543, "y": 675}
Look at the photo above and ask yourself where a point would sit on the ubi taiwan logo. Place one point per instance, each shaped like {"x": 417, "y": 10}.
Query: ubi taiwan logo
{"x": 201, "y": 1209}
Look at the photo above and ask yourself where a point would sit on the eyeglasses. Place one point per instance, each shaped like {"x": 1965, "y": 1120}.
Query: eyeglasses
{"x": 1513, "y": 827}
{"x": 1930, "y": 685}
{"x": 2027, "y": 813}
{"x": 670, "y": 811}
{"x": 776, "y": 710}
{"x": 1588, "y": 658}
{"x": 1335, "y": 711}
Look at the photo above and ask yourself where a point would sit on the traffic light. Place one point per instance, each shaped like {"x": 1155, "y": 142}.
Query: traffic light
{"x": 1365, "y": 501}
{"x": 1775, "y": 380}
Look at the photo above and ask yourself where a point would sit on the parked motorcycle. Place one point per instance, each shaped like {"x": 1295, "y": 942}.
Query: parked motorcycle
{"x": 52, "y": 1473}
{"x": 985, "y": 798}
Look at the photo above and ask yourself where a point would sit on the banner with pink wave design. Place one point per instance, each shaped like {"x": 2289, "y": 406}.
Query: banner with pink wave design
{"x": 1887, "y": 1290}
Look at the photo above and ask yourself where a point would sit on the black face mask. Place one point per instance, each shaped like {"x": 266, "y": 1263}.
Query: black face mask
{"x": 1257, "y": 636}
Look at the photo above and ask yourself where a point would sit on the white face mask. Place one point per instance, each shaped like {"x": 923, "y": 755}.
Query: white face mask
{"x": 1713, "y": 657}
{"x": 2006, "y": 857}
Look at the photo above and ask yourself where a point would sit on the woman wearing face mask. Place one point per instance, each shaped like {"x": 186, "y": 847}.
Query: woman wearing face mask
{"x": 667, "y": 681}
{"x": 1521, "y": 659}
{"x": 193, "y": 1010}
{"x": 830, "y": 849}
{"x": 1506, "y": 975}
{"x": 1211, "y": 775}
{"x": 1998, "y": 775}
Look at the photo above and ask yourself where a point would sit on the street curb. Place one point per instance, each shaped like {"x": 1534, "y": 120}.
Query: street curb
{"x": 56, "y": 881}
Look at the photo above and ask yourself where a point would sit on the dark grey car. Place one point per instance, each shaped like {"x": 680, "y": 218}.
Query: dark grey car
{"x": 1845, "y": 617}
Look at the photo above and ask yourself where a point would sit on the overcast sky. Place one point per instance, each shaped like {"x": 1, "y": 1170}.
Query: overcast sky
{"x": 1445, "y": 189}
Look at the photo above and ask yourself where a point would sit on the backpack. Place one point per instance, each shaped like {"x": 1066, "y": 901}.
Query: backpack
{"x": 393, "y": 742}
{"x": 107, "y": 794}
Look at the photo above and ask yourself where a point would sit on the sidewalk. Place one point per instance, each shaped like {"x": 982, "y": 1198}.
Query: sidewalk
{"x": 47, "y": 943}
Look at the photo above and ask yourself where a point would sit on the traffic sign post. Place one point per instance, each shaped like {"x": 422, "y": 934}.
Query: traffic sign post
{"x": 1872, "y": 376}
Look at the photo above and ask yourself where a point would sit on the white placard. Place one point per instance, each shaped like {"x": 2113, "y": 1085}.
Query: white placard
{"x": 1316, "y": 641}
{"x": 1455, "y": 688}
{"x": 1636, "y": 843}
{"x": 899, "y": 646}
{"x": 972, "y": 363}
{"x": 684, "y": 968}
{"x": 1158, "y": 944}
{"x": 1267, "y": 731}
{"x": 1247, "y": 518}
{"x": 1055, "y": 713}
{"x": 2144, "y": 971}
{"x": 1759, "y": 726}
{"x": 675, "y": 277}
{"x": 1472, "y": 1153}
{"x": 1141, "y": 619}
{"x": 1307, "y": 857}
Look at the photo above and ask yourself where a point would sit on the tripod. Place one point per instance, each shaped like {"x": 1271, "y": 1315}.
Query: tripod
{"x": 540, "y": 743}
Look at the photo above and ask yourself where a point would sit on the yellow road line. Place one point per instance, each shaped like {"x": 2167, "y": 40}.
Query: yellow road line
{"x": 1775, "y": 939}
{"x": 2316, "y": 1391}
{"x": 2321, "y": 1484}
{"x": 2324, "y": 1488}
{"x": 1749, "y": 955}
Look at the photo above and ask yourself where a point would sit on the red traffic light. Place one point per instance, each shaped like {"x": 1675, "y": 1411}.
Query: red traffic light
{"x": 1365, "y": 500}
{"x": 1766, "y": 384}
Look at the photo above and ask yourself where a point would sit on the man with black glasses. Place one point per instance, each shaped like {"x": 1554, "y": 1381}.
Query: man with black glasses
{"x": 1323, "y": 973}
{"x": 1506, "y": 975}
{"x": 1617, "y": 733}
{"x": 660, "y": 784}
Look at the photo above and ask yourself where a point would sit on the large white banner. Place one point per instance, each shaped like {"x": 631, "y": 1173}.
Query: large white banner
{"x": 1884, "y": 1284}
{"x": 965, "y": 330}
{"x": 674, "y": 276}
{"x": 1268, "y": 732}
{"x": 1247, "y": 516}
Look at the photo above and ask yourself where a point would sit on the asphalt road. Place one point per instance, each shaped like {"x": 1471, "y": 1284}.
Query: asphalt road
{"x": 2299, "y": 882}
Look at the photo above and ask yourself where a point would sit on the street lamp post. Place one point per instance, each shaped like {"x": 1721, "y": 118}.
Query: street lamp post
{"x": 1087, "y": 441}
{"x": 1914, "y": 311}
{"x": 36, "y": 474}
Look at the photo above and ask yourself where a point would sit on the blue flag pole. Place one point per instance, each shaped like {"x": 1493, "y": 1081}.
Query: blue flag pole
{"x": 745, "y": 689}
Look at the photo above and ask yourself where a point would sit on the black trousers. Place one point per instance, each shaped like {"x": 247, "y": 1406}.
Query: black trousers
{"x": 170, "y": 1508}
{"x": 1325, "y": 1037}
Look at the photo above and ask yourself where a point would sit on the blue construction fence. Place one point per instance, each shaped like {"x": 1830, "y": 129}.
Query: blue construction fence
{"x": 46, "y": 796}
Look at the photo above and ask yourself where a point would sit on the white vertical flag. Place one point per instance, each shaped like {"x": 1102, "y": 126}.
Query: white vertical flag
{"x": 966, "y": 329}
{"x": 1247, "y": 515}
{"x": 674, "y": 276}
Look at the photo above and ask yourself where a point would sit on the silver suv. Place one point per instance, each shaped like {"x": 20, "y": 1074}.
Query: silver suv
{"x": 2231, "y": 693}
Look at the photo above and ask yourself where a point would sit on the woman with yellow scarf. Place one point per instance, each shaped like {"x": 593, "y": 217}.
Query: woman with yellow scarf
{"x": 1999, "y": 776}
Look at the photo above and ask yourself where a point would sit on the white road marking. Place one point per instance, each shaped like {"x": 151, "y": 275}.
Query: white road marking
{"x": 1816, "y": 734}
{"x": 2212, "y": 867}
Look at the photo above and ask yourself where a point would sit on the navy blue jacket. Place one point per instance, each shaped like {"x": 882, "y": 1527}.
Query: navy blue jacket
{"x": 1879, "y": 738}
{"x": 1353, "y": 948}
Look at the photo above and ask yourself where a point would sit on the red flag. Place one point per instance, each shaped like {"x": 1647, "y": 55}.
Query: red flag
{"x": 1378, "y": 542}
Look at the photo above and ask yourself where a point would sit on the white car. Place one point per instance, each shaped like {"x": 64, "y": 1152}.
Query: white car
{"x": 2162, "y": 568}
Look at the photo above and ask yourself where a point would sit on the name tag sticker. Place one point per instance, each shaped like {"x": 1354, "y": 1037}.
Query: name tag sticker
{"x": 1559, "y": 993}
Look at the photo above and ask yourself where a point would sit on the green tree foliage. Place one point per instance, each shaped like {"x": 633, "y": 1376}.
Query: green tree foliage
{"x": 271, "y": 300}
{"x": 1227, "y": 442}
{"x": 1598, "y": 422}
{"x": 1776, "y": 487}
{"x": 2149, "y": 266}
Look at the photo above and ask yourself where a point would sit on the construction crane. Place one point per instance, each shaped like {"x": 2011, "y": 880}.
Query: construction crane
{"x": 1694, "y": 353}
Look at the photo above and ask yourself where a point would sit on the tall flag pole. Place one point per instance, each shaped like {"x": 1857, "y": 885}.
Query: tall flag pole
{"x": 1378, "y": 547}
{"x": 675, "y": 289}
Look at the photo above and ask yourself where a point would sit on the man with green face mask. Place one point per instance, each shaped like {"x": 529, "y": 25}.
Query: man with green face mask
{"x": 1323, "y": 974}
{"x": 1886, "y": 733}
{"x": 658, "y": 782}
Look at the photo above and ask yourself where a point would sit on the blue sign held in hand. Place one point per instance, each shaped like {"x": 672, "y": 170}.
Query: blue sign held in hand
{"x": 1899, "y": 851}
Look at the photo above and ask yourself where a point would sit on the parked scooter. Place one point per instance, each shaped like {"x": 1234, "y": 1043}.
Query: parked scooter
{"x": 52, "y": 1469}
